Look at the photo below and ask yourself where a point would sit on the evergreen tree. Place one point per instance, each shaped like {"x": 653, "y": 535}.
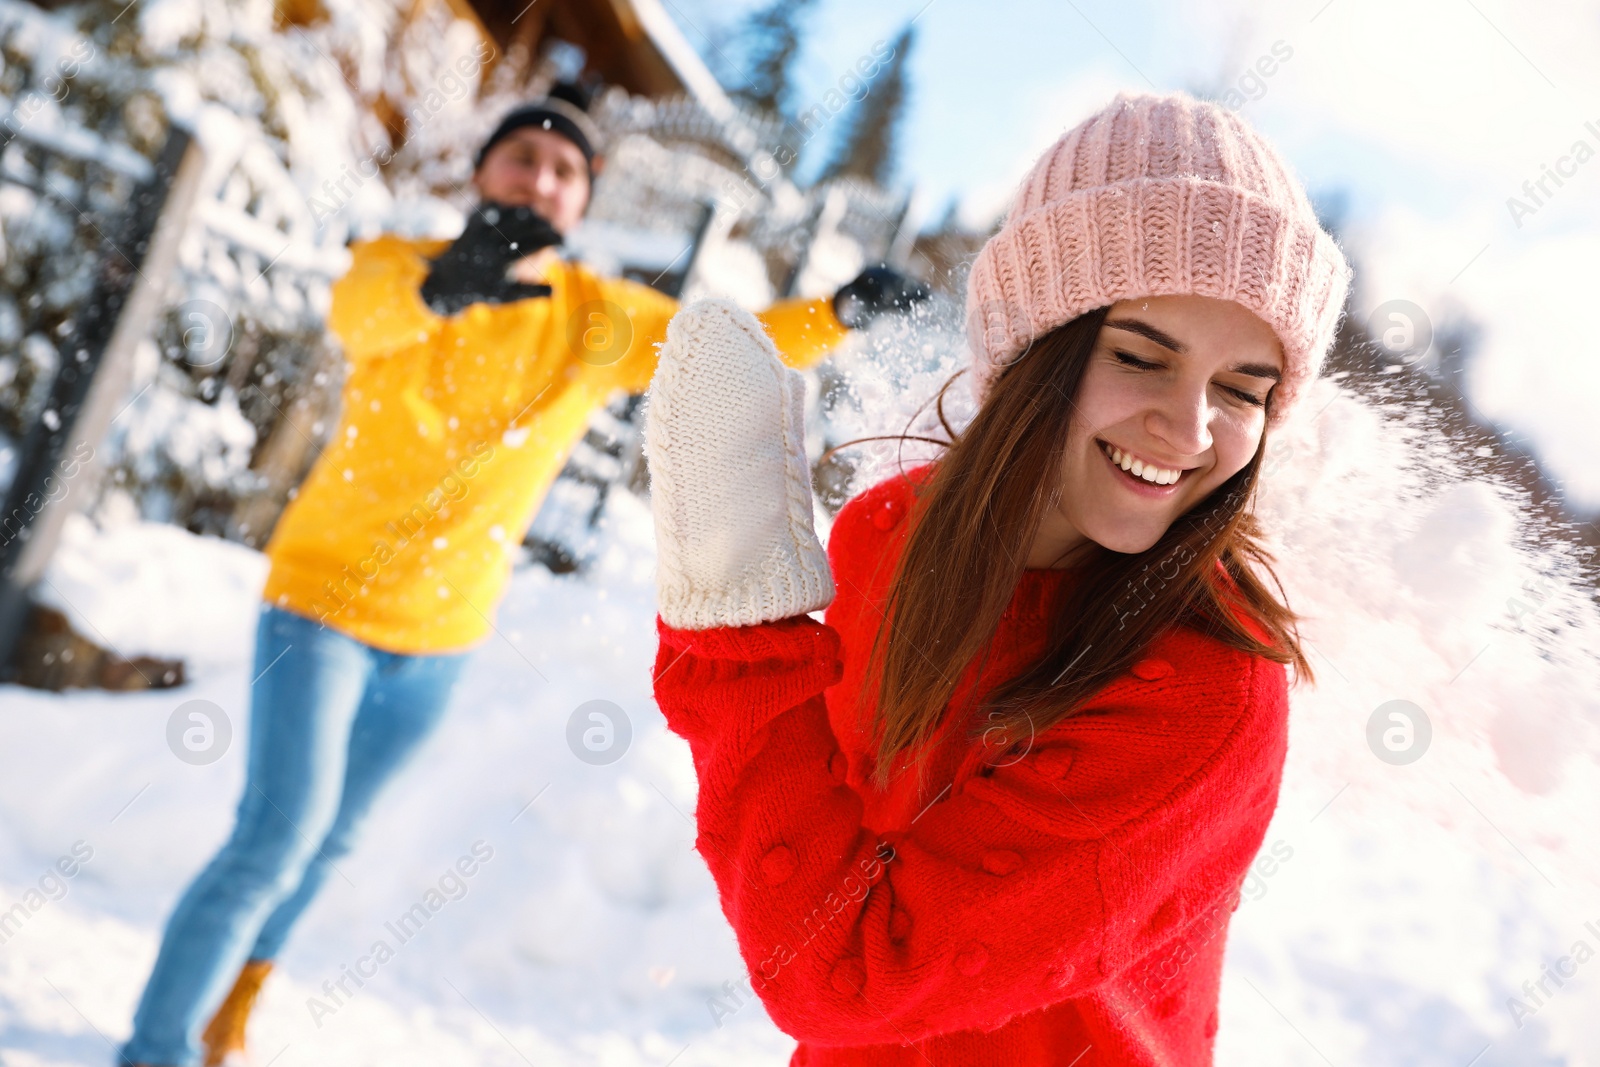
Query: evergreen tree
{"x": 869, "y": 148}
{"x": 770, "y": 40}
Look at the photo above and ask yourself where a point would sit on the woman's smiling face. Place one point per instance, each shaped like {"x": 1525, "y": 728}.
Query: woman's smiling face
{"x": 1175, "y": 383}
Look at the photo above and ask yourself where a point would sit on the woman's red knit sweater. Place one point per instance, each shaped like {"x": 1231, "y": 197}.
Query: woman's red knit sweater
{"x": 1067, "y": 906}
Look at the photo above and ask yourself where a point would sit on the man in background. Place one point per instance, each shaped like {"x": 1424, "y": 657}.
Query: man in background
{"x": 474, "y": 366}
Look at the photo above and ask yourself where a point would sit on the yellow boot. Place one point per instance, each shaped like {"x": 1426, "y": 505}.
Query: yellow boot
{"x": 224, "y": 1036}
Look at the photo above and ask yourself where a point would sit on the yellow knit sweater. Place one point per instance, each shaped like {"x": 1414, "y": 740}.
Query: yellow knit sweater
{"x": 451, "y": 434}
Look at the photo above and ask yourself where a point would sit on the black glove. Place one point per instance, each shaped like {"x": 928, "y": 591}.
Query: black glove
{"x": 874, "y": 291}
{"x": 473, "y": 269}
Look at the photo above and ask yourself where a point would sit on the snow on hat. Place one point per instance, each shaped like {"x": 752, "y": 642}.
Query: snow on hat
{"x": 1158, "y": 195}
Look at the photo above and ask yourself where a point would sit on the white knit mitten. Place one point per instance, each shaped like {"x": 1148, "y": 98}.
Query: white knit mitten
{"x": 729, "y": 481}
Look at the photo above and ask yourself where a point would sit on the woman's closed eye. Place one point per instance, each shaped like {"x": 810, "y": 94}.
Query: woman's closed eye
{"x": 1134, "y": 361}
{"x": 1131, "y": 360}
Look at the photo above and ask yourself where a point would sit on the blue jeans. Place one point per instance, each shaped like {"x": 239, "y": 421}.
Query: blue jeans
{"x": 331, "y": 720}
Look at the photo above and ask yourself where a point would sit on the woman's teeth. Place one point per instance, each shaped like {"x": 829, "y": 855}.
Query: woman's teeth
{"x": 1153, "y": 475}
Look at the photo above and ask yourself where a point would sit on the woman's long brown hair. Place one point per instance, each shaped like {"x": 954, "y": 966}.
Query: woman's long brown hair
{"x": 972, "y": 527}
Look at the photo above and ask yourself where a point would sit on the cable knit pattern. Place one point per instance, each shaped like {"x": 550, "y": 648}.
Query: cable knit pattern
{"x": 1062, "y": 903}
{"x": 1158, "y": 196}
{"x": 730, "y": 483}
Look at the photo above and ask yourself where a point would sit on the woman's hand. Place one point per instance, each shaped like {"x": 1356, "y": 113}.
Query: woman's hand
{"x": 730, "y": 485}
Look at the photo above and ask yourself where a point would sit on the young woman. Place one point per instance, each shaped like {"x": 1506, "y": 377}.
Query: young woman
{"x": 998, "y": 806}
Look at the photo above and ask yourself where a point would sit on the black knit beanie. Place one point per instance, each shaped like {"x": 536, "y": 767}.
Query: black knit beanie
{"x": 563, "y": 111}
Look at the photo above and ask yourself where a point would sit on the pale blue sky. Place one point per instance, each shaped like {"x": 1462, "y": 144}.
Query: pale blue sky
{"x": 984, "y": 72}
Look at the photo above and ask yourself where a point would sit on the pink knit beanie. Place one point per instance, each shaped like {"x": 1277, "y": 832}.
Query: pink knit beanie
{"x": 1158, "y": 196}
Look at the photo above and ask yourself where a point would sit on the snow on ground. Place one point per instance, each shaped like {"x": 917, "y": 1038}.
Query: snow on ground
{"x": 204, "y": 589}
{"x": 592, "y": 934}
{"x": 1394, "y": 911}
